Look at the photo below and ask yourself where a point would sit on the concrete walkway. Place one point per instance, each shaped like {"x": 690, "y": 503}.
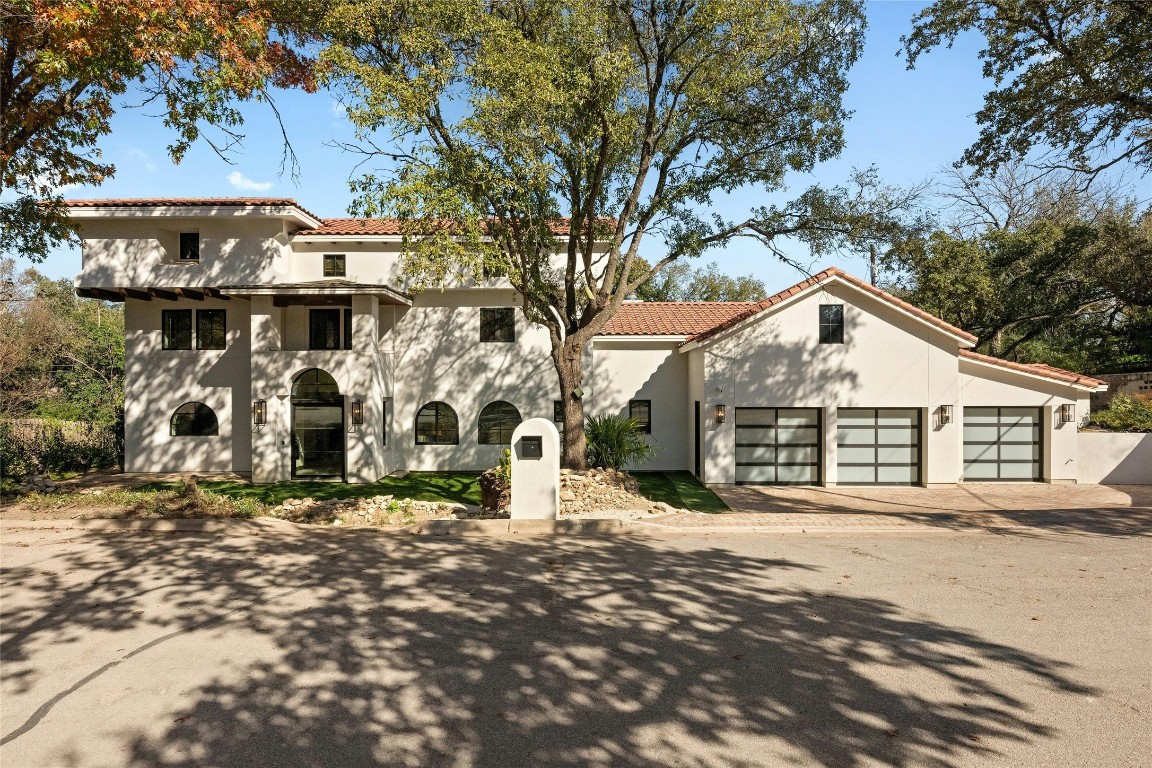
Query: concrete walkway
{"x": 1115, "y": 510}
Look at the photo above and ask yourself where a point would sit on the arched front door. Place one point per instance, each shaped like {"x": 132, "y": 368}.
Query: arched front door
{"x": 317, "y": 426}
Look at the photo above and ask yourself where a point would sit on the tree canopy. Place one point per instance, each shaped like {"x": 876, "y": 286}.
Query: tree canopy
{"x": 622, "y": 119}
{"x": 1070, "y": 75}
{"x": 681, "y": 282}
{"x": 65, "y": 64}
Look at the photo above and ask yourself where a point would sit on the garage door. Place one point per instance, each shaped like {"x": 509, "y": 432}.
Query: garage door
{"x": 878, "y": 446}
{"x": 778, "y": 446}
{"x": 1002, "y": 444}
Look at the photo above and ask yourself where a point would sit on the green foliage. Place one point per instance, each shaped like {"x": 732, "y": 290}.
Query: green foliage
{"x": 1126, "y": 413}
{"x": 46, "y": 445}
{"x": 504, "y": 468}
{"x": 615, "y": 441}
{"x": 1069, "y": 74}
{"x": 680, "y": 282}
{"x": 451, "y": 487}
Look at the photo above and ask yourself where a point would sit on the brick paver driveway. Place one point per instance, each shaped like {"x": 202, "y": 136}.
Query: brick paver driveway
{"x": 1072, "y": 508}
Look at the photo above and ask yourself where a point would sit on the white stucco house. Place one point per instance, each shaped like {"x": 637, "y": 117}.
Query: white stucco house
{"x": 263, "y": 339}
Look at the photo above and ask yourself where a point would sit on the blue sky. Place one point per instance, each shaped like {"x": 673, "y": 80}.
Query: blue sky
{"x": 908, "y": 123}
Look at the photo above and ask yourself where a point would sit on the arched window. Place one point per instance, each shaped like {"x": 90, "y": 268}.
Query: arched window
{"x": 315, "y": 385}
{"x": 436, "y": 424}
{"x": 193, "y": 420}
{"x": 497, "y": 422}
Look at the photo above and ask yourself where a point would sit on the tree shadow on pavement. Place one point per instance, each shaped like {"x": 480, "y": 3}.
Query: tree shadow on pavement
{"x": 622, "y": 651}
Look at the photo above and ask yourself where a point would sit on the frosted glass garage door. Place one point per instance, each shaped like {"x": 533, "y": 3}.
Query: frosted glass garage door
{"x": 878, "y": 446}
{"x": 778, "y": 446}
{"x": 1002, "y": 444}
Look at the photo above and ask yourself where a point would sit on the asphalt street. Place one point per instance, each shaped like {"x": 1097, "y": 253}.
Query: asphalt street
{"x": 357, "y": 648}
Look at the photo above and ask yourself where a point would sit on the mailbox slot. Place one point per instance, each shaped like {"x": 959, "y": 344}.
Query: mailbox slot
{"x": 531, "y": 447}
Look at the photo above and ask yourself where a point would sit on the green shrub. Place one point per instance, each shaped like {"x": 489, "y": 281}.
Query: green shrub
{"x": 614, "y": 441}
{"x": 1126, "y": 413}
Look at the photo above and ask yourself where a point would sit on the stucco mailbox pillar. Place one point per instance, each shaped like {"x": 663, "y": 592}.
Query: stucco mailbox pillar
{"x": 535, "y": 470}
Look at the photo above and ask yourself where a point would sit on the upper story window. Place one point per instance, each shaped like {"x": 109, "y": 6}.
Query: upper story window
{"x": 498, "y": 324}
{"x": 211, "y": 329}
{"x": 189, "y": 246}
{"x": 831, "y": 323}
{"x": 641, "y": 411}
{"x": 330, "y": 329}
{"x": 334, "y": 265}
{"x": 176, "y": 328}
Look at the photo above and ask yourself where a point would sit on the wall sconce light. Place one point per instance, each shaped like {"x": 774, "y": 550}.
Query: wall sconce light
{"x": 357, "y": 412}
{"x": 1067, "y": 413}
{"x": 260, "y": 412}
{"x": 944, "y": 415}
{"x": 720, "y": 414}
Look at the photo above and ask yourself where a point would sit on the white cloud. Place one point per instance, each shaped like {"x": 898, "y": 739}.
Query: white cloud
{"x": 142, "y": 157}
{"x": 242, "y": 182}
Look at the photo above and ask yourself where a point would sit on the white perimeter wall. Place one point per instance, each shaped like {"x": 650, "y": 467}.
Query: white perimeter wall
{"x": 1115, "y": 458}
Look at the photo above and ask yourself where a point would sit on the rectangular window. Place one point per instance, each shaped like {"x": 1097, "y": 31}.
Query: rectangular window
{"x": 384, "y": 420}
{"x": 641, "y": 411}
{"x": 189, "y": 246}
{"x": 831, "y": 323}
{"x": 558, "y": 411}
{"x": 498, "y": 324}
{"x": 347, "y": 329}
{"x": 324, "y": 329}
{"x": 176, "y": 328}
{"x": 211, "y": 330}
{"x": 334, "y": 265}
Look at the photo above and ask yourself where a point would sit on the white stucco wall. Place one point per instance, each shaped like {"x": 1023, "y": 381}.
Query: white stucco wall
{"x": 1114, "y": 458}
{"x": 158, "y": 381}
{"x": 887, "y": 360}
{"x": 624, "y": 370}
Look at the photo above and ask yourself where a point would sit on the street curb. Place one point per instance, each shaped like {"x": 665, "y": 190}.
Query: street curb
{"x": 515, "y": 527}
{"x": 195, "y": 525}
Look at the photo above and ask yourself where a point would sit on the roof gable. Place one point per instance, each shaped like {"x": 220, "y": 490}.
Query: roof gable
{"x": 1036, "y": 369}
{"x": 832, "y": 274}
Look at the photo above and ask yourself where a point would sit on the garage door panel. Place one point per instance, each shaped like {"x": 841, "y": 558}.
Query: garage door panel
{"x": 1002, "y": 444}
{"x": 778, "y": 445}
{"x": 878, "y": 446}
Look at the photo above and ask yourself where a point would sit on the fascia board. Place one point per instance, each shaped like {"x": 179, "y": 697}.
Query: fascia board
{"x": 1038, "y": 377}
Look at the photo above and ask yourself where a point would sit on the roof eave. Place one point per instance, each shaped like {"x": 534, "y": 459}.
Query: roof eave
{"x": 291, "y": 213}
{"x": 1086, "y": 386}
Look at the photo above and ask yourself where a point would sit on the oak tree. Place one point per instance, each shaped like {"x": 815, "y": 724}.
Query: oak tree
{"x": 621, "y": 119}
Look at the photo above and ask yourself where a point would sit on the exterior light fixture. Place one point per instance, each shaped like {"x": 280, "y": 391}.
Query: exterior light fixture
{"x": 259, "y": 412}
{"x": 1067, "y": 413}
{"x": 357, "y": 412}
{"x": 944, "y": 415}
{"x": 720, "y": 414}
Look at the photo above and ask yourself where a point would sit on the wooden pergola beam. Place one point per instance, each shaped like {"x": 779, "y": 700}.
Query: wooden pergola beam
{"x": 160, "y": 293}
{"x": 99, "y": 293}
{"x": 189, "y": 293}
{"x": 134, "y": 293}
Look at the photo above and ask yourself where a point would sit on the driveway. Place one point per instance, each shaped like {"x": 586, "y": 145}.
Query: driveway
{"x": 1104, "y": 509}
{"x": 357, "y": 648}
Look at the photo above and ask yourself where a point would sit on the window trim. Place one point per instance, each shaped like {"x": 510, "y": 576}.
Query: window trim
{"x": 339, "y": 265}
{"x": 645, "y": 426}
{"x": 493, "y": 314}
{"x": 829, "y": 336}
{"x": 164, "y": 336}
{"x": 180, "y": 248}
{"x": 196, "y": 406}
{"x": 199, "y": 336}
{"x": 416, "y": 423}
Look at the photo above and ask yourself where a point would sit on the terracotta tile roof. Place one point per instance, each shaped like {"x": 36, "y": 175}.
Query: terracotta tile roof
{"x": 823, "y": 277}
{"x": 369, "y": 227}
{"x": 177, "y": 202}
{"x": 671, "y": 318}
{"x": 1036, "y": 369}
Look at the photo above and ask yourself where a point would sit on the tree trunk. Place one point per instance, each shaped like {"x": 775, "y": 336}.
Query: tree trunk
{"x": 569, "y": 364}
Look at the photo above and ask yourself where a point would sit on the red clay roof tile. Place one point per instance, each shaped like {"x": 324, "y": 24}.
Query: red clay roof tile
{"x": 1036, "y": 369}
{"x": 177, "y": 202}
{"x": 670, "y": 318}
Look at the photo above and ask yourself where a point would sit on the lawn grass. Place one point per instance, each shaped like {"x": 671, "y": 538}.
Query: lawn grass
{"x": 455, "y": 487}
{"x": 679, "y": 489}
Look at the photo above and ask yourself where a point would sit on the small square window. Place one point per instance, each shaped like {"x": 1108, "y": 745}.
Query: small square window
{"x": 189, "y": 246}
{"x": 211, "y": 329}
{"x": 176, "y": 328}
{"x": 641, "y": 411}
{"x": 831, "y": 323}
{"x": 498, "y": 324}
{"x": 334, "y": 265}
